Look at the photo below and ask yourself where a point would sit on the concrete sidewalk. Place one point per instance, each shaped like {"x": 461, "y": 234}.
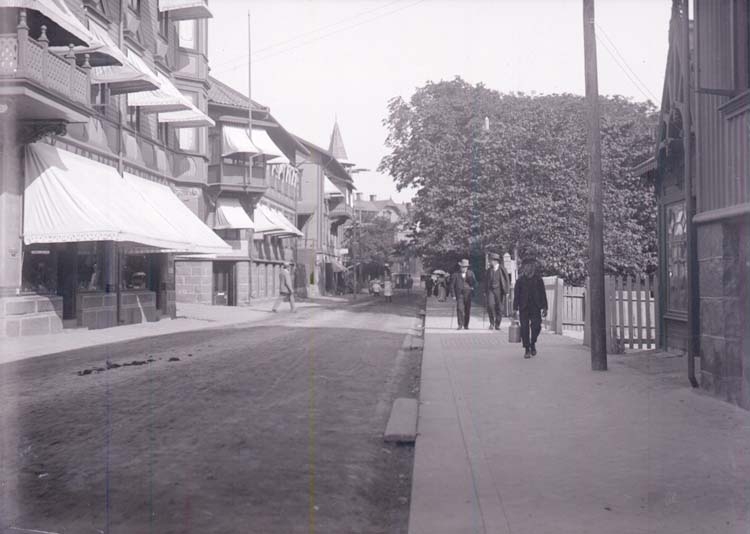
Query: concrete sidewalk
{"x": 190, "y": 317}
{"x": 508, "y": 445}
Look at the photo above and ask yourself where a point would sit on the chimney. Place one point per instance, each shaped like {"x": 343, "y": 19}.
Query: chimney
{"x": 372, "y": 198}
{"x": 359, "y": 195}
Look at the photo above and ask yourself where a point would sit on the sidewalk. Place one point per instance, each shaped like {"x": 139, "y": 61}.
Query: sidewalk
{"x": 508, "y": 445}
{"x": 190, "y": 317}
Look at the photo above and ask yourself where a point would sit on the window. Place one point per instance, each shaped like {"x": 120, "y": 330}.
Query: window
{"x": 134, "y": 118}
{"x": 676, "y": 220}
{"x": 135, "y": 272}
{"x": 39, "y": 269}
{"x": 188, "y": 34}
{"x": 99, "y": 97}
{"x": 135, "y": 5}
{"x": 90, "y": 266}
{"x": 163, "y": 133}
{"x": 164, "y": 23}
{"x": 188, "y": 137}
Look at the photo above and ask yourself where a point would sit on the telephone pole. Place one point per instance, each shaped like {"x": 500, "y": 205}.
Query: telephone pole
{"x": 596, "y": 213}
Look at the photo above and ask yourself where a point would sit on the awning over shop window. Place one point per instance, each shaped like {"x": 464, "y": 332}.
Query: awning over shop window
{"x": 57, "y": 12}
{"x": 187, "y": 118}
{"x": 71, "y": 198}
{"x": 267, "y": 147}
{"x": 186, "y": 9}
{"x": 271, "y": 222}
{"x": 330, "y": 189}
{"x": 125, "y": 78}
{"x": 231, "y": 215}
{"x": 166, "y": 98}
{"x": 161, "y": 198}
{"x": 337, "y": 266}
{"x": 235, "y": 140}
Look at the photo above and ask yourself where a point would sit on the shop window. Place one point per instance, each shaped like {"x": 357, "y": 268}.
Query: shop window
{"x": 39, "y": 270}
{"x": 90, "y": 266}
{"x": 677, "y": 295}
{"x": 135, "y": 269}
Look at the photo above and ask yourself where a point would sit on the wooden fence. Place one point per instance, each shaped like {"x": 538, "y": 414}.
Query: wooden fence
{"x": 631, "y": 313}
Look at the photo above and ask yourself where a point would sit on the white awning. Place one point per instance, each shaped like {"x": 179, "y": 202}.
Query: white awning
{"x": 186, "y": 9}
{"x": 231, "y": 215}
{"x": 330, "y": 189}
{"x": 235, "y": 140}
{"x": 71, "y": 198}
{"x": 126, "y": 78}
{"x": 161, "y": 198}
{"x": 166, "y": 98}
{"x": 266, "y": 145}
{"x": 271, "y": 222}
{"x": 187, "y": 118}
{"x": 58, "y": 13}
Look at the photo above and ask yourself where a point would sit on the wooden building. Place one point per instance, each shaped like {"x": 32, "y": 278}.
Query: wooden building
{"x": 703, "y": 187}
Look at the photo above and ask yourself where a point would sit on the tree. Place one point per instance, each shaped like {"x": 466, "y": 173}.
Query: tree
{"x": 372, "y": 243}
{"x": 522, "y": 181}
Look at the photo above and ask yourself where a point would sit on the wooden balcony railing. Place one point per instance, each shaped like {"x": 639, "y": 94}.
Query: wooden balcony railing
{"x": 21, "y": 57}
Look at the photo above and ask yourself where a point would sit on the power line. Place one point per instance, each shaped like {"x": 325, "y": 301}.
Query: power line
{"x": 243, "y": 57}
{"x": 324, "y": 36}
{"x": 648, "y": 96}
{"x": 625, "y": 62}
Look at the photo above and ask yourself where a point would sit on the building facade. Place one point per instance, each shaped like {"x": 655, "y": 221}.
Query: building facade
{"x": 104, "y": 159}
{"x": 701, "y": 171}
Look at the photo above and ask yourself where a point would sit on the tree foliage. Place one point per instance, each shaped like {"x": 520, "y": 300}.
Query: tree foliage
{"x": 373, "y": 242}
{"x": 523, "y": 182}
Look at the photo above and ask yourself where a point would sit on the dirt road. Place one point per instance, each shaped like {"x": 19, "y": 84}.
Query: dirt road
{"x": 264, "y": 429}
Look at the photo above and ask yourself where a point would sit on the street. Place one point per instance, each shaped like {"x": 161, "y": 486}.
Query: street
{"x": 272, "y": 427}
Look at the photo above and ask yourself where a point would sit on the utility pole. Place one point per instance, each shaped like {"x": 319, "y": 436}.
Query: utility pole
{"x": 596, "y": 212}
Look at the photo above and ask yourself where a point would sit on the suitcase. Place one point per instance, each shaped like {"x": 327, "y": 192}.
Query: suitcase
{"x": 514, "y": 332}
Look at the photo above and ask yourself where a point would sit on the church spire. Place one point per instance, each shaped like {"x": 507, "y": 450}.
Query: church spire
{"x": 336, "y": 146}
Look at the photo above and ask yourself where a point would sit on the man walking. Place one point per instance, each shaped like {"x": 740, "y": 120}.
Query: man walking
{"x": 496, "y": 288}
{"x": 530, "y": 300}
{"x": 463, "y": 285}
{"x": 286, "y": 289}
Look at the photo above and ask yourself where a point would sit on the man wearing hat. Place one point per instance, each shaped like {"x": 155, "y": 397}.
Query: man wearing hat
{"x": 286, "y": 289}
{"x": 495, "y": 289}
{"x": 463, "y": 285}
{"x": 530, "y": 299}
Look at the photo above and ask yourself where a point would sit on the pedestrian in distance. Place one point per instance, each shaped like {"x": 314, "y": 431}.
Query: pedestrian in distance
{"x": 530, "y": 300}
{"x": 495, "y": 290}
{"x": 388, "y": 289}
{"x": 442, "y": 288}
{"x": 409, "y": 284}
{"x": 286, "y": 289}
{"x": 462, "y": 285}
{"x": 428, "y": 283}
{"x": 376, "y": 288}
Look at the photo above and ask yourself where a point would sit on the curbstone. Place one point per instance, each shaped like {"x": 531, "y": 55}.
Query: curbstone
{"x": 402, "y": 424}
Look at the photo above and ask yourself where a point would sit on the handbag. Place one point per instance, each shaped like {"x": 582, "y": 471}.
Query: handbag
{"x": 514, "y": 332}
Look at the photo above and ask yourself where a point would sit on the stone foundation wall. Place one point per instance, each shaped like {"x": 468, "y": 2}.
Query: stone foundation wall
{"x": 30, "y": 315}
{"x": 723, "y": 248}
{"x": 194, "y": 281}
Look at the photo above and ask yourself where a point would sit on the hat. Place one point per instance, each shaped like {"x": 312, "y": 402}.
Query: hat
{"x": 464, "y": 263}
{"x": 528, "y": 261}
{"x": 495, "y": 256}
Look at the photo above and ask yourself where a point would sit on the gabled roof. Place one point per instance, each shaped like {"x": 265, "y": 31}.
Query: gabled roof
{"x": 331, "y": 165}
{"x": 223, "y": 95}
{"x": 376, "y": 206}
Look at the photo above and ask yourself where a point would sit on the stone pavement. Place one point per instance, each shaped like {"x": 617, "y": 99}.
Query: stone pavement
{"x": 508, "y": 445}
{"x": 190, "y": 317}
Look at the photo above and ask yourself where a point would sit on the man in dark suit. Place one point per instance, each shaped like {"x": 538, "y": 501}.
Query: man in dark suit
{"x": 495, "y": 289}
{"x": 530, "y": 299}
{"x": 463, "y": 284}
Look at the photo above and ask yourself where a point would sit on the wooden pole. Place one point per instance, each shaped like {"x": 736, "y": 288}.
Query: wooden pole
{"x": 596, "y": 215}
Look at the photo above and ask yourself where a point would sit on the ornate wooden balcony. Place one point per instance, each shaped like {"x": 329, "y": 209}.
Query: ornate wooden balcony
{"x": 37, "y": 85}
{"x": 235, "y": 177}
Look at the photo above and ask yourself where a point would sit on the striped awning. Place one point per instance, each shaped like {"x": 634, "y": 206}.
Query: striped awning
{"x": 272, "y": 153}
{"x": 187, "y": 118}
{"x": 165, "y": 98}
{"x": 57, "y": 11}
{"x": 236, "y": 140}
{"x": 231, "y": 215}
{"x": 127, "y": 77}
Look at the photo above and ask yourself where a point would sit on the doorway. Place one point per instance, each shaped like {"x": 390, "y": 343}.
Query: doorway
{"x": 224, "y": 284}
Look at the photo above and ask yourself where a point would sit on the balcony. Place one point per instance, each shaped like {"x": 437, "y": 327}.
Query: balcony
{"x": 37, "y": 85}
{"x": 235, "y": 177}
{"x": 340, "y": 212}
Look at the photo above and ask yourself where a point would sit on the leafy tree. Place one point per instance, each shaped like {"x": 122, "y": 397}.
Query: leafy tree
{"x": 372, "y": 243}
{"x": 521, "y": 183}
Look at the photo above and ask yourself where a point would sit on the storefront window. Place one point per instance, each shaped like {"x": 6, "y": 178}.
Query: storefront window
{"x": 676, "y": 257}
{"x": 90, "y": 266}
{"x": 135, "y": 271}
{"x": 40, "y": 270}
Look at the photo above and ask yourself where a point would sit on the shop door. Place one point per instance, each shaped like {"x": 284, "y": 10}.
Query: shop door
{"x": 224, "y": 284}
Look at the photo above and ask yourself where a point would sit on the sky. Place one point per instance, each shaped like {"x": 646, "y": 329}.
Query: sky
{"x": 314, "y": 61}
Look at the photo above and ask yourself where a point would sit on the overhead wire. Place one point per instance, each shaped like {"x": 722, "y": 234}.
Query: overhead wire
{"x": 624, "y": 65}
{"x": 240, "y": 59}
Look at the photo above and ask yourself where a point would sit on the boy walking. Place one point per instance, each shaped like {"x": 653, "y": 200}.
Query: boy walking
{"x": 530, "y": 300}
